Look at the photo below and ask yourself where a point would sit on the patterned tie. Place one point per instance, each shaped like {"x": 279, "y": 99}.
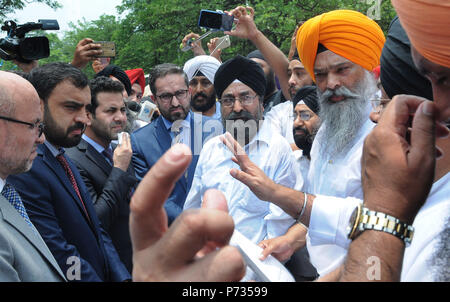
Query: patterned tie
{"x": 108, "y": 152}
{"x": 69, "y": 173}
{"x": 14, "y": 199}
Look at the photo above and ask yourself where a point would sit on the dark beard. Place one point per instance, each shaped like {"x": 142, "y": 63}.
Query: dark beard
{"x": 242, "y": 126}
{"x": 57, "y": 136}
{"x": 210, "y": 102}
{"x": 304, "y": 142}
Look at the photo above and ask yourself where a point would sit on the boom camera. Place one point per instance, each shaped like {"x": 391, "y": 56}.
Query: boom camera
{"x": 25, "y": 49}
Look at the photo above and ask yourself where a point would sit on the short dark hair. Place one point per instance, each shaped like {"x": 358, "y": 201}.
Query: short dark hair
{"x": 103, "y": 84}
{"x": 163, "y": 70}
{"x": 47, "y": 77}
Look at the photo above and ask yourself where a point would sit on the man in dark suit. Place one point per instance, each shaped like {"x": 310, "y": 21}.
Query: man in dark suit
{"x": 177, "y": 124}
{"x": 23, "y": 254}
{"x": 53, "y": 191}
{"x": 108, "y": 175}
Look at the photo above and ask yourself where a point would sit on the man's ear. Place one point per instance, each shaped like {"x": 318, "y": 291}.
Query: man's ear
{"x": 375, "y": 116}
{"x": 90, "y": 117}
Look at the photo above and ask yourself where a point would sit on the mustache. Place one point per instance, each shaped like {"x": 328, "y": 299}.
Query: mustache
{"x": 341, "y": 91}
{"x": 243, "y": 115}
{"x": 202, "y": 94}
{"x": 302, "y": 129}
{"x": 77, "y": 126}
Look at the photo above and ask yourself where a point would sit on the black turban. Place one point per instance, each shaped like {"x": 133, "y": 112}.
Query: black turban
{"x": 242, "y": 69}
{"x": 398, "y": 72}
{"x": 117, "y": 72}
{"x": 256, "y": 54}
{"x": 308, "y": 94}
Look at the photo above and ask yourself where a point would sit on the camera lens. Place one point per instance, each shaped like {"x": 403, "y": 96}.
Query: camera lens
{"x": 34, "y": 48}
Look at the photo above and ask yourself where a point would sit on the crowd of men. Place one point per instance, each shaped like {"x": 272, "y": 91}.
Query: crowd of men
{"x": 316, "y": 157}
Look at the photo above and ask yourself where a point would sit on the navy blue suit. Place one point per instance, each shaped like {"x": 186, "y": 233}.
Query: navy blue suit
{"x": 152, "y": 141}
{"x": 57, "y": 213}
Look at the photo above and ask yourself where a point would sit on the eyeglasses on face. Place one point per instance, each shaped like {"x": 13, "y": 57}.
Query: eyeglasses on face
{"x": 39, "y": 125}
{"x": 245, "y": 100}
{"x": 304, "y": 115}
{"x": 167, "y": 97}
{"x": 379, "y": 104}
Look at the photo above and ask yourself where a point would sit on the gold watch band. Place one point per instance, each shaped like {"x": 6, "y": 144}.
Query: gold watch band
{"x": 371, "y": 220}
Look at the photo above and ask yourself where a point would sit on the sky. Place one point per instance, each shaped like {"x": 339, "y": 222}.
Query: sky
{"x": 71, "y": 11}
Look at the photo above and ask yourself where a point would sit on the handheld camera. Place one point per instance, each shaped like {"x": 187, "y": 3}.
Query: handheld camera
{"x": 16, "y": 47}
{"x": 215, "y": 20}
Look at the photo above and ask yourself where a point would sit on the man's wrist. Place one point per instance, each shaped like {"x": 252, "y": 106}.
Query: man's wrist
{"x": 364, "y": 219}
{"x": 254, "y": 36}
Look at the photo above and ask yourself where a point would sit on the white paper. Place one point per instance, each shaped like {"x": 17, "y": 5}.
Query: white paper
{"x": 269, "y": 270}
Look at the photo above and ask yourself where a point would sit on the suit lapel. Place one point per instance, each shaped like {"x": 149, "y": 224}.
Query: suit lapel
{"x": 11, "y": 216}
{"x": 97, "y": 159}
{"x": 59, "y": 171}
{"x": 162, "y": 135}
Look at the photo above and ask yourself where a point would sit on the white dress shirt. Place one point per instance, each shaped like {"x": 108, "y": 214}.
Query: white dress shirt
{"x": 2, "y": 184}
{"x": 304, "y": 163}
{"x": 255, "y": 219}
{"x": 330, "y": 218}
{"x": 337, "y": 176}
{"x": 281, "y": 119}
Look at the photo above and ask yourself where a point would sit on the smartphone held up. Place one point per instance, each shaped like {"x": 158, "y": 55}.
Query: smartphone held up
{"x": 215, "y": 20}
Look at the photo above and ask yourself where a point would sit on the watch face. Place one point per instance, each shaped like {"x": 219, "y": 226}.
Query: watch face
{"x": 352, "y": 221}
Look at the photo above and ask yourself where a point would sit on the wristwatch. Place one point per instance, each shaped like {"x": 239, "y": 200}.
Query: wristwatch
{"x": 364, "y": 219}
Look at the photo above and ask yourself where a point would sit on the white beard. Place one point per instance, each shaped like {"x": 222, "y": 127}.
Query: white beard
{"x": 344, "y": 119}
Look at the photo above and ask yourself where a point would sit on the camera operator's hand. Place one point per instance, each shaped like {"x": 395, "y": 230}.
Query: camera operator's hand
{"x": 85, "y": 52}
{"x": 213, "y": 52}
{"x": 197, "y": 48}
{"x": 26, "y": 67}
{"x": 245, "y": 27}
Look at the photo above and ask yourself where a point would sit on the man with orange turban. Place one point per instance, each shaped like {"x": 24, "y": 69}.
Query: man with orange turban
{"x": 346, "y": 33}
{"x": 339, "y": 49}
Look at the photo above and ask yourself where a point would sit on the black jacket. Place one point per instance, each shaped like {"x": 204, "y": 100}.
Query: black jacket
{"x": 110, "y": 189}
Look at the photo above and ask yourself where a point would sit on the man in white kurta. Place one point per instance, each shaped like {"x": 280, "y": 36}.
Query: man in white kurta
{"x": 255, "y": 219}
{"x": 240, "y": 84}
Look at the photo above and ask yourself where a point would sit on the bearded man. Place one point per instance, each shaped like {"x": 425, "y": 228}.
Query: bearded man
{"x": 240, "y": 83}
{"x": 339, "y": 49}
{"x": 53, "y": 192}
{"x": 200, "y": 72}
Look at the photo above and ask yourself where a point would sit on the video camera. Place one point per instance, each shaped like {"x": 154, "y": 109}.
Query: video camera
{"x": 16, "y": 47}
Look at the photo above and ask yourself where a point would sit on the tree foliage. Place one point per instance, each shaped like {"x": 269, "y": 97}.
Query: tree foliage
{"x": 149, "y": 32}
{"x": 9, "y": 6}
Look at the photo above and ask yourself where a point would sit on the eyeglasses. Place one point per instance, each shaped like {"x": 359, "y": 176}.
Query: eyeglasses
{"x": 167, "y": 97}
{"x": 304, "y": 115}
{"x": 39, "y": 125}
{"x": 246, "y": 100}
{"x": 379, "y": 104}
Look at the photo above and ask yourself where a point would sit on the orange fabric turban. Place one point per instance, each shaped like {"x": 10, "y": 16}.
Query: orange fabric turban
{"x": 427, "y": 23}
{"x": 347, "y": 33}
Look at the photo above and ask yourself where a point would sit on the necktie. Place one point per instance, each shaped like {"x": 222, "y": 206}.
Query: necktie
{"x": 69, "y": 173}
{"x": 14, "y": 199}
{"x": 109, "y": 154}
{"x": 181, "y": 132}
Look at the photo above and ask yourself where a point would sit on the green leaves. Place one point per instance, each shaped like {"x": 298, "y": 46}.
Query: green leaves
{"x": 149, "y": 32}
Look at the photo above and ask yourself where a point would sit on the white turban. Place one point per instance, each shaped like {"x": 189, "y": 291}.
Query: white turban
{"x": 207, "y": 65}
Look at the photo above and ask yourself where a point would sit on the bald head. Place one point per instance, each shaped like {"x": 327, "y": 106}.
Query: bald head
{"x": 20, "y": 117}
{"x": 15, "y": 90}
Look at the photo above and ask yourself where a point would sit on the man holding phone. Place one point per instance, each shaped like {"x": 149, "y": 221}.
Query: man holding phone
{"x": 106, "y": 169}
